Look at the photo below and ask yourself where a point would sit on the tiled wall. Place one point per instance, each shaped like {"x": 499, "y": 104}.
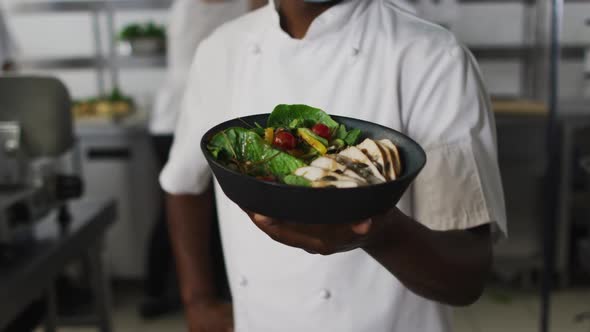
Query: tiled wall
{"x": 477, "y": 24}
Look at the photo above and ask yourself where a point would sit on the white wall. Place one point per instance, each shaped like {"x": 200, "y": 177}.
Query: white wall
{"x": 480, "y": 24}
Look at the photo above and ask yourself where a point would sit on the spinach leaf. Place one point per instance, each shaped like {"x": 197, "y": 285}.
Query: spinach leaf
{"x": 297, "y": 181}
{"x": 258, "y": 131}
{"x": 352, "y": 137}
{"x": 341, "y": 132}
{"x": 296, "y": 116}
{"x": 251, "y": 153}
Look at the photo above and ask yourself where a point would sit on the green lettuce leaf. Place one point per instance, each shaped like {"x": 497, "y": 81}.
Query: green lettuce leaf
{"x": 297, "y": 181}
{"x": 341, "y": 132}
{"x": 296, "y": 116}
{"x": 352, "y": 137}
{"x": 251, "y": 153}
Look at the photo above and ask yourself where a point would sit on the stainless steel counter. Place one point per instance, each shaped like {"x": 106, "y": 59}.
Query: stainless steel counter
{"x": 87, "y": 5}
{"x": 523, "y": 160}
{"x": 10, "y": 196}
{"x": 117, "y": 161}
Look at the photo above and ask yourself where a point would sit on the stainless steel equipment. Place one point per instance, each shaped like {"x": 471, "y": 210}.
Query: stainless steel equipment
{"x": 35, "y": 134}
{"x": 118, "y": 163}
{"x": 11, "y": 163}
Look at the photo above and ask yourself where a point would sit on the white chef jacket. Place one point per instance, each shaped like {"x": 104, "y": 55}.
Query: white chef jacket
{"x": 190, "y": 21}
{"x": 367, "y": 59}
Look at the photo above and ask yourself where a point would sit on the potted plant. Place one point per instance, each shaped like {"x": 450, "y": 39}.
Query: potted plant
{"x": 144, "y": 39}
{"x": 114, "y": 106}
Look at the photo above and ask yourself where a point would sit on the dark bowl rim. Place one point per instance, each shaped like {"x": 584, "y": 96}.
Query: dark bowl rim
{"x": 410, "y": 175}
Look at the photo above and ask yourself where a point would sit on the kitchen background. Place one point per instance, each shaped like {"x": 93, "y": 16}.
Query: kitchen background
{"x": 502, "y": 33}
{"x": 499, "y": 25}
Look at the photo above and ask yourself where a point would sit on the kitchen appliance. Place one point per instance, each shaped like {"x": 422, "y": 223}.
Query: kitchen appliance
{"x": 36, "y": 138}
{"x": 11, "y": 163}
{"x": 118, "y": 163}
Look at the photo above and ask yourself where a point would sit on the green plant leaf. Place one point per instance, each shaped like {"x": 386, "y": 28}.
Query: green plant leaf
{"x": 147, "y": 30}
{"x": 296, "y": 116}
{"x": 341, "y": 132}
{"x": 297, "y": 181}
{"x": 247, "y": 148}
{"x": 130, "y": 31}
{"x": 352, "y": 137}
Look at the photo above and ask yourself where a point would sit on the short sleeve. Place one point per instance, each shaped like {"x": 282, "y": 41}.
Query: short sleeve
{"x": 448, "y": 112}
{"x": 187, "y": 171}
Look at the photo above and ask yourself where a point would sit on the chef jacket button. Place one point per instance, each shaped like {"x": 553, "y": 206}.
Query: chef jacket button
{"x": 243, "y": 281}
{"x": 325, "y": 294}
{"x": 355, "y": 51}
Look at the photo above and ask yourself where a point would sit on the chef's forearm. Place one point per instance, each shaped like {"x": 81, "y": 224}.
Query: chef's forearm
{"x": 189, "y": 218}
{"x": 449, "y": 267}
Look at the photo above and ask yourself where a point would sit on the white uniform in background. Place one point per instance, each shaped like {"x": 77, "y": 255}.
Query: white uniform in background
{"x": 190, "y": 21}
{"x": 367, "y": 59}
{"x": 7, "y": 46}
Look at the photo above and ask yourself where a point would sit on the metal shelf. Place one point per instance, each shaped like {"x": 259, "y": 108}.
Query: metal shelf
{"x": 31, "y": 7}
{"x": 141, "y": 61}
{"x": 141, "y": 4}
{"x": 87, "y": 62}
{"x": 81, "y": 62}
{"x": 56, "y": 6}
{"x": 481, "y": 52}
{"x": 512, "y": 52}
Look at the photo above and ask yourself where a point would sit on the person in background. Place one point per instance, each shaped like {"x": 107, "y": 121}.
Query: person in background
{"x": 401, "y": 271}
{"x": 190, "y": 21}
{"x": 7, "y": 46}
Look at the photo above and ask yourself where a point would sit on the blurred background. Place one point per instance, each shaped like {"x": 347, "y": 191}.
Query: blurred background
{"x": 91, "y": 269}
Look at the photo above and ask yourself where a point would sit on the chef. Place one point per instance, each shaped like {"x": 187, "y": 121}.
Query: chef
{"x": 190, "y": 22}
{"x": 402, "y": 271}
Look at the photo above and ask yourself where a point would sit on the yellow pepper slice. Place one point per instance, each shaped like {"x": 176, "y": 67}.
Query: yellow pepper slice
{"x": 269, "y": 135}
{"x": 321, "y": 148}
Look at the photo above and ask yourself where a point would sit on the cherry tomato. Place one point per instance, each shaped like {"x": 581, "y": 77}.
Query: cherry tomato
{"x": 321, "y": 130}
{"x": 285, "y": 140}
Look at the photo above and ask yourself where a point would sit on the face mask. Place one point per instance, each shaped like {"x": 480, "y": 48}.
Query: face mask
{"x": 318, "y": 1}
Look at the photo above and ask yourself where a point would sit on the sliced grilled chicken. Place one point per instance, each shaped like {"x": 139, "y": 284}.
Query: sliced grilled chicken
{"x": 397, "y": 161}
{"x": 334, "y": 184}
{"x": 360, "y": 162}
{"x": 362, "y": 170}
{"x": 378, "y": 156}
{"x": 330, "y": 164}
{"x": 389, "y": 169}
{"x": 314, "y": 174}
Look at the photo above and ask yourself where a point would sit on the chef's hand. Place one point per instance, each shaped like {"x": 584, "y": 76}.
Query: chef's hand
{"x": 323, "y": 239}
{"x": 209, "y": 316}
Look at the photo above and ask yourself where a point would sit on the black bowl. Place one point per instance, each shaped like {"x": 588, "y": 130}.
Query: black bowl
{"x": 318, "y": 205}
